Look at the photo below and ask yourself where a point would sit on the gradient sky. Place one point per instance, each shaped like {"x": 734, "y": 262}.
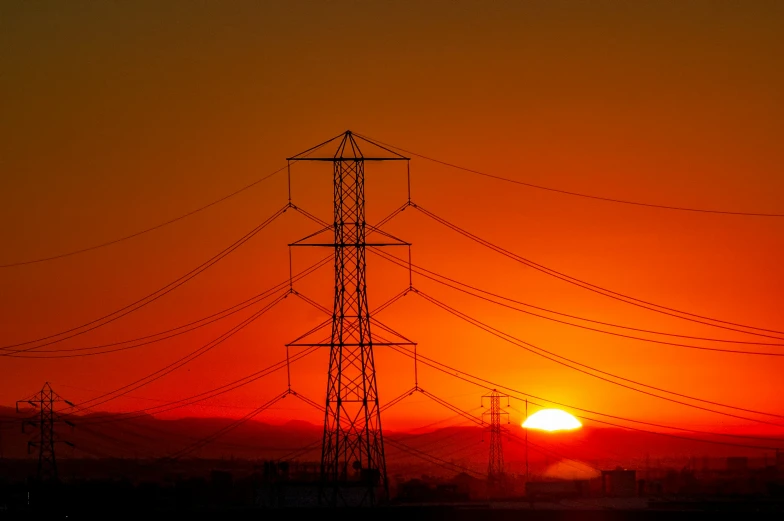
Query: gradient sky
{"x": 117, "y": 116}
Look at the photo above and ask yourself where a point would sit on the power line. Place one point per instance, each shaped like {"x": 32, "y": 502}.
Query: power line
{"x": 461, "y": 413}
{"x": 436, "y": 277}
{"x": 439, "y": 422}
{"x": 152, "y": 297}
{"x": 467, "y": 415}
{"x": 165, "y": 223}
{"x": 576, "y": 194}
{"x": 160, "y": 373}
{"x": 212, "y": 437}
{"x": 200, "y": 397}
{"x": 56, "y": 354}
{"x": 486, "y": 384}
{"x": 146, "y": 230}
{"x": 598, "y": 289}
{"x": 555, "y": 358}
{"x": 435, "y": 438}
{"x": 433, "y": 459}
{"x": 675, "y": 344}
{"x": 501, "y": 334}
{"x": 179, "y": 330}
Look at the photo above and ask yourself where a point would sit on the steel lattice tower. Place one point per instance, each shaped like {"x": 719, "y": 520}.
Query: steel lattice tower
{"x": 44, "y": 421}
{"x": 353, "y": 467}
{"x": 495, "y": 464}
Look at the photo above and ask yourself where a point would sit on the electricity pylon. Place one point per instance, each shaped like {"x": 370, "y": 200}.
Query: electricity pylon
{"x": 495, "y": 464}
{"x": 44, "y": 422}
{"x": 353, "y": 467}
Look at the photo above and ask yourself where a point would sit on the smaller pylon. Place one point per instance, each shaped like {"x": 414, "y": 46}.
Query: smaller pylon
{"x": 46, "y": 438}
{"x": 495, "y": 464}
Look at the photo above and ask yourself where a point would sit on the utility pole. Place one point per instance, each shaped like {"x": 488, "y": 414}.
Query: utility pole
{"x": 495, "y": 464}
{"x": 353, "y": 466}
{"x": 45, "y": 439}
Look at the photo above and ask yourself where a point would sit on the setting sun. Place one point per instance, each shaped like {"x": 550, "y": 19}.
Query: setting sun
{"x": 552, "y": 420}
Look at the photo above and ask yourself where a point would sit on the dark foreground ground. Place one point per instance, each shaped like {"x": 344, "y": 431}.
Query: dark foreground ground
{"x": 702, "y": 509}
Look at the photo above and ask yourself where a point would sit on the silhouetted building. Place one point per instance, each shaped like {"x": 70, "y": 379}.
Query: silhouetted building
{"x": 619, "y": 482}
{"x": 738, "y": 463}
{"x": 553, "y": 490}
{"x": 419, "y": 491}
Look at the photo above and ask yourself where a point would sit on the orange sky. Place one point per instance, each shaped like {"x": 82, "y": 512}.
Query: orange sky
{"x": 119, "y": 116}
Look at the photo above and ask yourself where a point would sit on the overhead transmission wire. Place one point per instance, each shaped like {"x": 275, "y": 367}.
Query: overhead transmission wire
{"x": 561, "y": 360}
{"x": 439, "y": 422}
{"x": 432, "y": 438}
{"x": 199, "y": 397}
{"x": 596, "y": 369}
{"x": 466, "y": 416}
{"x": 489, "y": 385}
{"x": 198, "y": 444}
{"x": 418, "y": 451}
{"x": 658, "y": 308}
{"x": 432, "y": 459}
{"x": 312, "y": 446}
{"x": 421, "y": 431}
{"x": 440, "y": 278}
{"x": 456, "y": 450}
{"x": 425, "y": 448}
{"x": 461, "y": 413}
{"x": 469, "y": 416}
{"x": 194, "y": 441}
{"x": 548, "y": 451}
{"x": 192, "y": 355}
{"x": 192, "y": 399}
{"x": 301, "y": 451}
{"x": 152, "y": 297}
{"x": 146, "y": 230}
{"x": 227, "y": 314}
{"x": 569, "y": 192}
{"x": 212, "y": 437}
{"x": 708, "y": 318}
{"x": 675, "y": 344}
{"x": 501, "y": 333}
{"x": 179, "y": 330}
{"x": 126, "y": 429}
{"x": 160, "y": 373}
{"x": 637, "y": 421}
{"x": 691, "y": 405}
{"x": 609, "y": 454}
{"x": 165, "y": 223}
{"x": 478, "y": 421}
{"x": 123, "y": 446}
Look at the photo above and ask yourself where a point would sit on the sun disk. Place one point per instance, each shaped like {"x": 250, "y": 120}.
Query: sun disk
{"x": 552, "y": 420}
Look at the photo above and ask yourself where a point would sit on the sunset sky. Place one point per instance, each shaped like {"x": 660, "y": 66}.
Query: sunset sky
{"x": 117, "y": 116}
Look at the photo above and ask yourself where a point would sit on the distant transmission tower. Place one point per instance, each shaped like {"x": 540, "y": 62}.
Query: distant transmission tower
{"x": 353, "y": 468}
{"x": 44, "y": 422}
{"x": 495, "y": 464}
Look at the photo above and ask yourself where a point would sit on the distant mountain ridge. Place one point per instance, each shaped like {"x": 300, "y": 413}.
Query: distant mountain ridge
{"x": 108, "y": 435}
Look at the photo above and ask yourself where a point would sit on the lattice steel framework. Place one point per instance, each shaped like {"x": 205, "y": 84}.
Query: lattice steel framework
{"x": 353, "y": 467}
{"x": 495, "y": 464}
{"x": 44, "y": 422}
